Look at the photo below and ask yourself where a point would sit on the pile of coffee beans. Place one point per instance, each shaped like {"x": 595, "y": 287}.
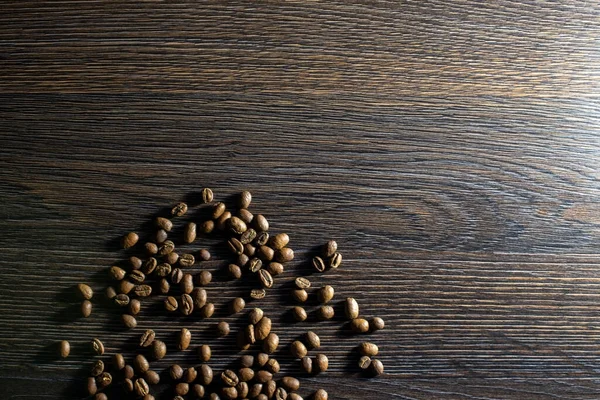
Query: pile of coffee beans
{"x": 159, "y": 270}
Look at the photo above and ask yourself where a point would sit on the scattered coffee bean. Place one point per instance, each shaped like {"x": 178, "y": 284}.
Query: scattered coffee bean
{"x": 275, "y": 268}
{"x": 163, "y": 270}
{"x": 97, "y": 368}
{"x": 306, "y": 364}
{"x": 247, "y": 361}
{"x": 255, "y": 390}
{"x": 92, "y": 387}
{"x": 118, "y": 361}
{"x": 97, "y": 347}
{"x": 248, "y": 236}
{"x": 325, "y": 313}
{"x": 261, "y": 359}
{"x": 299, "y": 314}
{"x": 364, "y": 362}
{"x": 103, "y": 380}
{"x": 377, "y": 324}
{"x": 128, "y": 385}
{"x": 128, "y": 321}
{"x": 125, "y": 286}
{"x": 300, "y": 295}
{"x": 312, "y": 340}
{"x": 203, "y": 278}
{"x": 273, "y": 366}
{"x": 207, "y": 195}
{"x": 265, "y": 278}
{"x": 237, "y": 226}
{"x": 279, "y": 241}
{"x": 330, "y": 248}
{"x": 242, "y": 260}
{"x": 237, "y": 305}
{"x": 164, "y": 223}
{"x": 368, "y": 349}
{"x": 221, "y": 223}
{"x": 351, "y": 308}
{"x": 359, "y": 325}
{"x": 204, "y": 255}
{"x": 171, "y": 304}
{"x": 207, "y": 311}
{"x": 159, "y": 349}
{"x": 302, "y": 283}
{"x": 190, "y": 375}
{"x": 175, "y": 372}
{"x": 160, "y": 236}
{"x": 206, "y": 374}
{"x": 218, "y": 210}
{"x": 179, "y": 210}
{"x": 199, "y": 297}
{"x": 376, "y": 367}
{"x": 335, "y": 261}
{"x": 235, "y": 246}
{"x": 187, "y": 284}
{"x": 182, "y": 388}
{"x": 263, "y": 376}
{"x": 86, "y": 308}
{"x": 245, "y": 199}
{"x": 100, "y": 396}
{"x": 184, "y": 338}
{"x": 260, "y": 223}
{"x": 290, "y": 383}
{"x": 258, "y": 294}
{"x": 207, "y": 227}
{"x": 284, "y": 255}
{"x": 128, "y": 372}
{"x": 84, "y": 291}
{"x": 164, "y": 286}
{"x": 204, "y": 353}
{"x": 189, "y": 233}
{"x": 325, "y": 294}
{"x": 229, "y": 377}
{"x": 245, "y": 216}
{"x": 136, "y": 276}
{"x": 129, "y": 240}
{"x": 198, "y": 391}
{"x": 255, "y": 265}
{"x": 271, "y": 343}
{"x": 266, "y": 253}
{"x": 149, "y": 265}
{"x": 249, "y": 250}
{"x": 255, "y": 315}
{"x": 298, "y": 349}
{"x": 318, "y": 264}
{"x": 151, "y": 248}
{"x": 320, "y": 395}
{"x": 294, "y": 396}
{"x": 270, "y": 388}
{"x": 147, "y": 338}
{"x": 222, "y": 329}
{"x": 262, "y": 239}
{"x": 140, "y": 364}
{"x": 152, "y": 377}
{"x": 234, "y": 271}
{"x": 135, "y": 262}
{"x": 142, "y": 290}
{"x": 246, "y": 374}
{"x": 321, "y": 363}
{"x": 116, "y": 273}
{"x": 250, "y": 334}
{"x": 141, "y": 387}
{"x": 176, "y": 276}
{"x": 229, "y": 393}
{"x": 110, "y": 293}
{"x": 186, "y": 260}
{"x": 263, "y": 328}
{"x": 187, "y": 304}
{"x": 167, "y": 247}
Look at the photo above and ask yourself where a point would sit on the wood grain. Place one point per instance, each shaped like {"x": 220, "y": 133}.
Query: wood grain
{"x": 450, "y": 147}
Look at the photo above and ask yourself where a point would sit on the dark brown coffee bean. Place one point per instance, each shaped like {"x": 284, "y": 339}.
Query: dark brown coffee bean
{"x": 298, "y": 349}
{"x": 321, "y": 363}
{"x": 273, "y": 366}
{"x": 221, "y": 222}
{"x": 125, "y": 286}
{"x": 255, "y": 390}
{"x": 171, "y": 258}
{"x": 149, "y": 265}
{"x": 222, "y": 329}
{"x": 189, "y": 233}
{"x": 164, "y": 286}
{"x": 204, "y": 255}
{"x": 199, "y": 297}
{"x": 266, "y": 253}
{"x": 182, "y": 388}
{"x": 263, "y": 376}
{"x": 377, "y": 324}
{"x": 229, "y": 377}
{"x": 159, "y": 349}
{"x": 325, "y": 313}
{"x": 203, "y": 278}
{"x": 236, "y": 225}
{"x": 258, "y": 294}
{"x": 187, "y": 284}
{"x": 129, "y": 240}
{"x": 255, "y": 265}
{"x": 262, "y": 239}
{"x": 140, "y": 364}
{"x": 247, "y": 361}
{"x": 128, "y": 372}
{"x": 151, "y": 248}
{"x": 141, "y": 387}
{"x": 265, "y": 278}
{"x": 163, "y": 223}
{"x": 376, "y": 367}
{"x": 116, "y": 273}
{"x": 250, "y": 334}
{"x": 235, "y": 246}
{"x": 207, "y": 311}
{"x": 306, "y": 364}
{"x": 142, "y": 290}
{"x": 64, "y": 349}
{"x": 160, "y": 236}
{"x": 275, "y": 268}
{"x": 135, "y": 262}
{"x": 187, "y": 304}
{"x": 175, "y": 372}
{"x": 243, "y": 389}
{"x": 299, "y": 314}
{"x": 300, "y": 295}
{"x": 110, "y": 293}
{"x": 97, "y": 347}
{"x": 281, "y": 394}
{"x": 118, "y": 361}
{"x": 279, "y": 241}
{"x": 263, "y": 328}
{"x": 204, "y": 352}
{"x": 152, "y": 377}
{"x": 171, "y": 303}
{"x": 86, "y": 308}
{"x": 218, "y": 210}
{"x": 246, "y": 374}
{"x": 84, "y": 291}
{"x": 351, "y": 308}
{"x": 237, "y": 305}
{"x": 249, "y": 250}
{"x": 163, "y": 270}
{"x": 207, "y": 227}
{"x": 134, "y": 307}
{"x": 336, "y": 260}
{"x": 205, "y": 375}
{"x": 179, "y": 209}
{"x": 312, "y": 340}
{"x": 229, "y": 393}
{"x": 92, "y": 387}
{"x": 128, "y": 321}
{"x": 186, "y": 260}
{"x": 248, "y": 236}
{"x": 100, "y": 396}
{"x": 147, "y": 338}
{"x": 234, "y": 271}
{"x": 359, "y": 325}
{"x": 97, "y": 368}
{"x": 320, "y": 395}
{"x": 318, "y": 264}
{"x": 198, "y": 390}
{"x": 271, "y": 343}
{"x": 364, "y": 362}
{"x": 245, "y": 199}
{"x": 255, "y": 315}
{"x": 260, "y": 223}
{"x": 245, "y": 216}
{"x": 368, "y": 349}
{"x": 166, "y": 248}
{"x": 284, "y": 255}
{"x": 329, "y": 248}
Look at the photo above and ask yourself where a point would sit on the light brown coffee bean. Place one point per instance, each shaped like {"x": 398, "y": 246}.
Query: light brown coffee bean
{"x": 302, "y": 283}
{"x": 163, "y": 223}
{"x": 103, "y": 380}
{"x": 140, "y": 364}
{"x": 246, "y": 374}
{"x": 300, "y": 295}
{"x": 250, "y": 334}
{"x": 190, "y": 375}
{"x": 249, "y": 250}
{"x": 198, "y": 391}
{"x": 321, "y": 363}
{"x": 377, "y": 324}
{"x": 271, "y": 343}
{"x": 181, "y": 389}
{"x": 100, "y": 396}
{"x": 325, "y": 294}
{"x": 336, "y": 260}
{"x": 199, "y": 297}
{"x": 237, "y": 305}
{"x": 275, "y": 268}
{"x": 142, "y": 290}
{"x": 110, "y": 293}
{"x": 351, "y": 308}
{"x": 163, "y": 270}
{"x": 149, "y": 266}
{"x": 248, "y": 236}
{"x": 222, "y": 329}
{"x": 179, "y": 210}
{"x": 176, "y": 276}
{"x": 320, "y": 395}
{"x": 298, "y": 349}
{"x": 207, "y": 311}
{"x": 255, "y": 265}
{"x": 279, "y": 241}
{"x": 312, "y": 340}
{"x": 261, "y": 360}
{"x": 262, "y": 238}
{"x": 294, "y": 396}
{"x": 318, "y": 264}
{"x": 284, "y": 255}
{"x": 290, "y": 383}
{"x": 273, "y": 366}
{"x": 247, "y": 361}
{"x": 207, "y": 195}
{"x": 263, "y": 328}
{"x": 258, "y": 294}
{"x": 368, "y": 349}
{"x": 189, "y": 233}
{"x": 171, "y": 303}
{"x": 175, "y": 372}
{"x": 91, "y": 386}
{"x": 186, "y": 260}
{"x": 255, "y": 390}
{"x": 116, "y": 273}
{"x": 245, "y": 216}
{"x": 360, "y": 325}
{"x": 260, "y": 223}
{"x": 280, "y": 394}
{"x": 147, "y": 338}
{"x": 364, "y": 362}
{"x": 376, "y": 367}
{"x": 84, "y": 291}
{"x": 235, "y": 246}
{"x": 229, "y": 378}
{"x": 234, "y": 271}
{"x": 160, "y": 236}
{"x": 125, "y": 286}
{"x": 306, "y": 364}
{"x": 135, "y": 262}
{"x": 86, "y": 308}
{"x": 205, "y": 374}
{"x": 203, "y": 278}
{"x": 128, "y": 372}
{"x": 152, "y": 377}
{"x": 118, "y": 361}
{"x": 151, "y": 248}
{"x": 187, "y": 284}
{"x": 299, "y": 314}
{"x": 97, "y": 368}
{"x": 325, "y": 313}
{"x": 158, "y": 349}
{"x": 129, "y": 240}
{"x": 187, "y": 304}
{"x": 97, "y": 347}
{"x": 237, "y": 226}
{"x": 329, "y": 248}
{"x": 164, "y": 286}
{"x": 128, "y": 321}
{"x": 255, "y": 315}
{"x": 204, "y": 352}
{"x": 265, "y": 278}
{"x": 218, "y": 210}
{"x": 263, "y": 376}
{"x": 167, "y": 247}
{"x": 141, "y": 387}
{"x": 266, "y": 253}
{"x": 171, "y": 258}
{"x": 206, "y": 227}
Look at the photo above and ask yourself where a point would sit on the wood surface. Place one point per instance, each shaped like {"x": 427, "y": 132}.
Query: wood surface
{"x": 450, "y": 147}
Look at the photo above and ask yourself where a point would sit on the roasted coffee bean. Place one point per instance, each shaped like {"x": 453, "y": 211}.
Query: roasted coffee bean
{"x": 306, "y": 364}
{"x": 279, "y": 241}
{"x": 205, "y": 375}
{"x": 302, "y": 283}
{"x": 241, "y": 341}
{"x": 163, "y": 270}
{"x": 141, "y": 387}
{"x": 320, "y": 395}
{"x": 261, "y": 359}
{"x": 97, "y": 368}
{"x": 184, "y": 338}
{"x": 149, "y": 265}
{"x": 189, "y": 233}
{"x": 318, "y": 264}
{"x": 118, "y": 361}
{"x": 275, "y": 268}
{"x": 129, "y": 240}
{"x": 204, "y": 352}
{"x": 265, "y": 278}
{"x": 298, "y": 349}
{"x": 222, "y": 329}
{"x": 245, "y": 216}
{"x": 97, "y": 347}
{"x": 284, "y": 255}
{"x": 182, "y": 388}
{"x": 128, "y": 385}
{"x": 245, "y": 199}
{"x": 234, "y": 271}
{"x": 351, "y": 308}
{"x": 263, "y": 328}
{"x": 249, "y": 250}
{"x": 255, "y": 315}
{"x": 260, "y": 223}
{"x": 103, "y": 380}
{"x": 235, "y": 246}
{"x": 250, "y": 334}
{"x": 128, "y": 321}
{"x": 134, "y": 307}
{"x": 100, "y": 396}
{"x": 273, "y": 366}
{"x": 377, "y": 324}
{"x": 237, "y": 305}
{"x": 246, "y": 374}
{"x": 247, "y": 361}
{"x": 325, "y": 294}
{"x": 290, "y": 383}
{"x": 163, "y": 223}
{"x": 265, "y": 253}
{"x": 171, "y": 303}
{"x": 152, "y": 377}
{"x": 299, "y": 314}
{"x": 142, "y": 290}
{"x": 164, "y": 286}
{"x": 218, "y": 210}
{"x": 243, "y": 389}
{"x": 376, "y": 367}
{"x": 84, "y": 291}
{"x": 207, "y": 311}
{"x": 159, "y": 349}
{"x": 179, "y": 209}
{"x": 86, "y": 308}
{"x": 248, "y": 236}
{"x": 255, "y": 265}
{"x": 160, "y": 236}
{"x": 325, "y": 313}
{"x": 125, "y": 286}
{"x": 135, "y": 263}
{"x": 198, "y": 390}
{"x": 359, "y": 325}
{"x": 92, "y": 387}
{"x": 294, "y": 396}
{"x": 262, "y": 239}
{"x": 258, "y": 294}
{"x": 203, "y": 278}
{"x": 321, "y": 363}
{"x": 312, "y": 340}
{"x": 207, "y": 227}
{"x": 269, "y": 388}
{"x": 242, "y": 260}
{"x": 128, "y": 372}
{"x": 167, "y": 247}
{"x": 281, "y": 394}
{"x": 151, "y": 248}
{"x": 187, "y": 304}
{"x": 229, "y": 377}
{"x": 368, "y": 349}
{"x": 329, "y": 248}
{"x": 199, "y": 297}
{"x": 116, "y": 273}
{"x": 271, "y": 343}
{"x": 255, "y": 390}
{"x": 229, "y": 393}
{"x": 236, "y": 225}
{"x": 207, "y": 195}
{"x": 147, "y": 338}
{"x": 263, "y": 376}
{"x": 336, "y": 260}
{"x": 300, "y": 295}
{"x": 110, "y": 293}
{"x": 178, "y": 398}
{"x": 140, "y": 364}
{"x": 186, "y": 260}
{"x": 171, "y": 258}
{"x": 175, "y": 372}
{"x": 187, "y": 284}
{"x": 221, "y": 222}
{"x": 364, "y": 362}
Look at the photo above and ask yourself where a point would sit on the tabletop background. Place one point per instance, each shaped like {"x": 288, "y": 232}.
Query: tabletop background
{"x": 452, "y": 149}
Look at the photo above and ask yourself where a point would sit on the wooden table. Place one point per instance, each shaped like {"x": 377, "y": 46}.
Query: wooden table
{"x": 450, "y": 147}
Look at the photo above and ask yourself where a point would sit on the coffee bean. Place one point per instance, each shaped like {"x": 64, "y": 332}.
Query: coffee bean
{"x": 125, "y": 286}
{"x": 84, "y": 291}
{"x": 247, "y": 236}
{"x": 376, "y": 367}
{"x": 151, "y": 248}
{"x": 135, "y": 262}
{"x": 281, "y": 394}
{"x": 263, "y": 376}
{"x": 110, "y": 293}
{"x": 160, "y": 236}
{"x": 266, "y": 253}
{"x": 100, "y": 396}
{"x": 171, "y": 258}
{"x": 207, "y": 311}
{"x": 364, "y": 362}
{"x": 351, "y": 308}
{"x": 203, "y": 278}
{"x": 141, "y": 387}
{"x": 237, "y": 226}
{"x": 187, "y": 304}
{"x": 147, "y": 338}
{"x": 218, "y": 210}
{"x": 142, "y": 290}
{"x": 234, "y": 271}
{"x": 179, "y": 209}
{"x": 229, "y": 377}
{"x": 242, "y": 389}
{"x": 152, "y": 377}
{"x": 271, "y": 343}
{"x": 335, "y": 261}
{"x": 163, "y": 270}
{"x": 206, "y": 227}
{"x": 97, "y": 347}
{"x": 250, "y": 334}
{"x": 164, "y": 286}
{"x": 262, "y": 239}
{"x": 325, "y": 313}
{"x": 187, "y": 284}
{"x": 103, "y": 380}
{"x": 222, "y": 221}
{"x": 273, "y": 366}
{"x": 368, "y": 349}
{"x": 359, "y": 325}
{"x": 199, "y": 297}
{"x": 118, "y": 361}
{"x": 186, "y": 260}
{"x": 198, "y": 391}
{"x": 284, "y": 255}
{"x": 182, "y": 388}
{"x": 189, "y": 233}
{"x": 206, "y": 374}
{"x": 255, "y": 265}
{"x": 247, "y": 361}
{"x": 260, "y": 223}
{"x": 222, "y": 329}
{"x": 207, "y": 195}
{"x": 178, "y": 398}
{"x": 163, "y": 223}
{"x": 92, "y": 388}
{"x": 176, "y": 276}
{"x": 255, "y": 315}
{"x": 129, "y": 240}
{"x": 279, "y": 241}
{"x": 128, "y": 321}
{"x": 190, "y": 375}
{"x": 325, "y": 294}
{"x": 158, "y": 349}
{"x": 175, "y": 372}
{"x": 116, "y": 273}
{"x": 249, "y": 250}
{"x": 270, "y": 388}
{"x": 149, "y": 265}
{"x": 171, "y": 303}
{"x": 298, "y": 349}
{"x": 294, "y": 396}
{"x": 255, "y": 390}
{"x": 275, "y": 268}
{"x": 235, "y": 246}
{"x": 306, "y": 364}
{"x": 263, "y": 328}
{"x": 321, "y": 363}
{"x": 320, "y": 395}
{"x": 265, "y": 278}
{"x": 245, "y": 216}
{"x": 128, "y": 372}
{"x": 166, "y": 248}
{"x": 128, "y": 385}
{"x": 140, "y": 364}
{"x": 299, "y": 314}
{"x": 318, "y": 264}
{"x": 97, "y": 368}
{"x": 302, "y": 283}
{"x": 258, "y": 294}
{"x": 237, "y": 305}
{"x": 204, "y": 352}
{"x": 229, "y": 393}
{"x": 329, "y": 248}
{"x": 290, "y": 383}
{"x": 377, "y": 324}
{"x": 312, "y": 340}
{"x": 300, "y": 295}
{"x": 86, "y": 308}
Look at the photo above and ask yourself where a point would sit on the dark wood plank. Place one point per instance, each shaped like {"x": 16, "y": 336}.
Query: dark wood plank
{"x": 450, "y": 148}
